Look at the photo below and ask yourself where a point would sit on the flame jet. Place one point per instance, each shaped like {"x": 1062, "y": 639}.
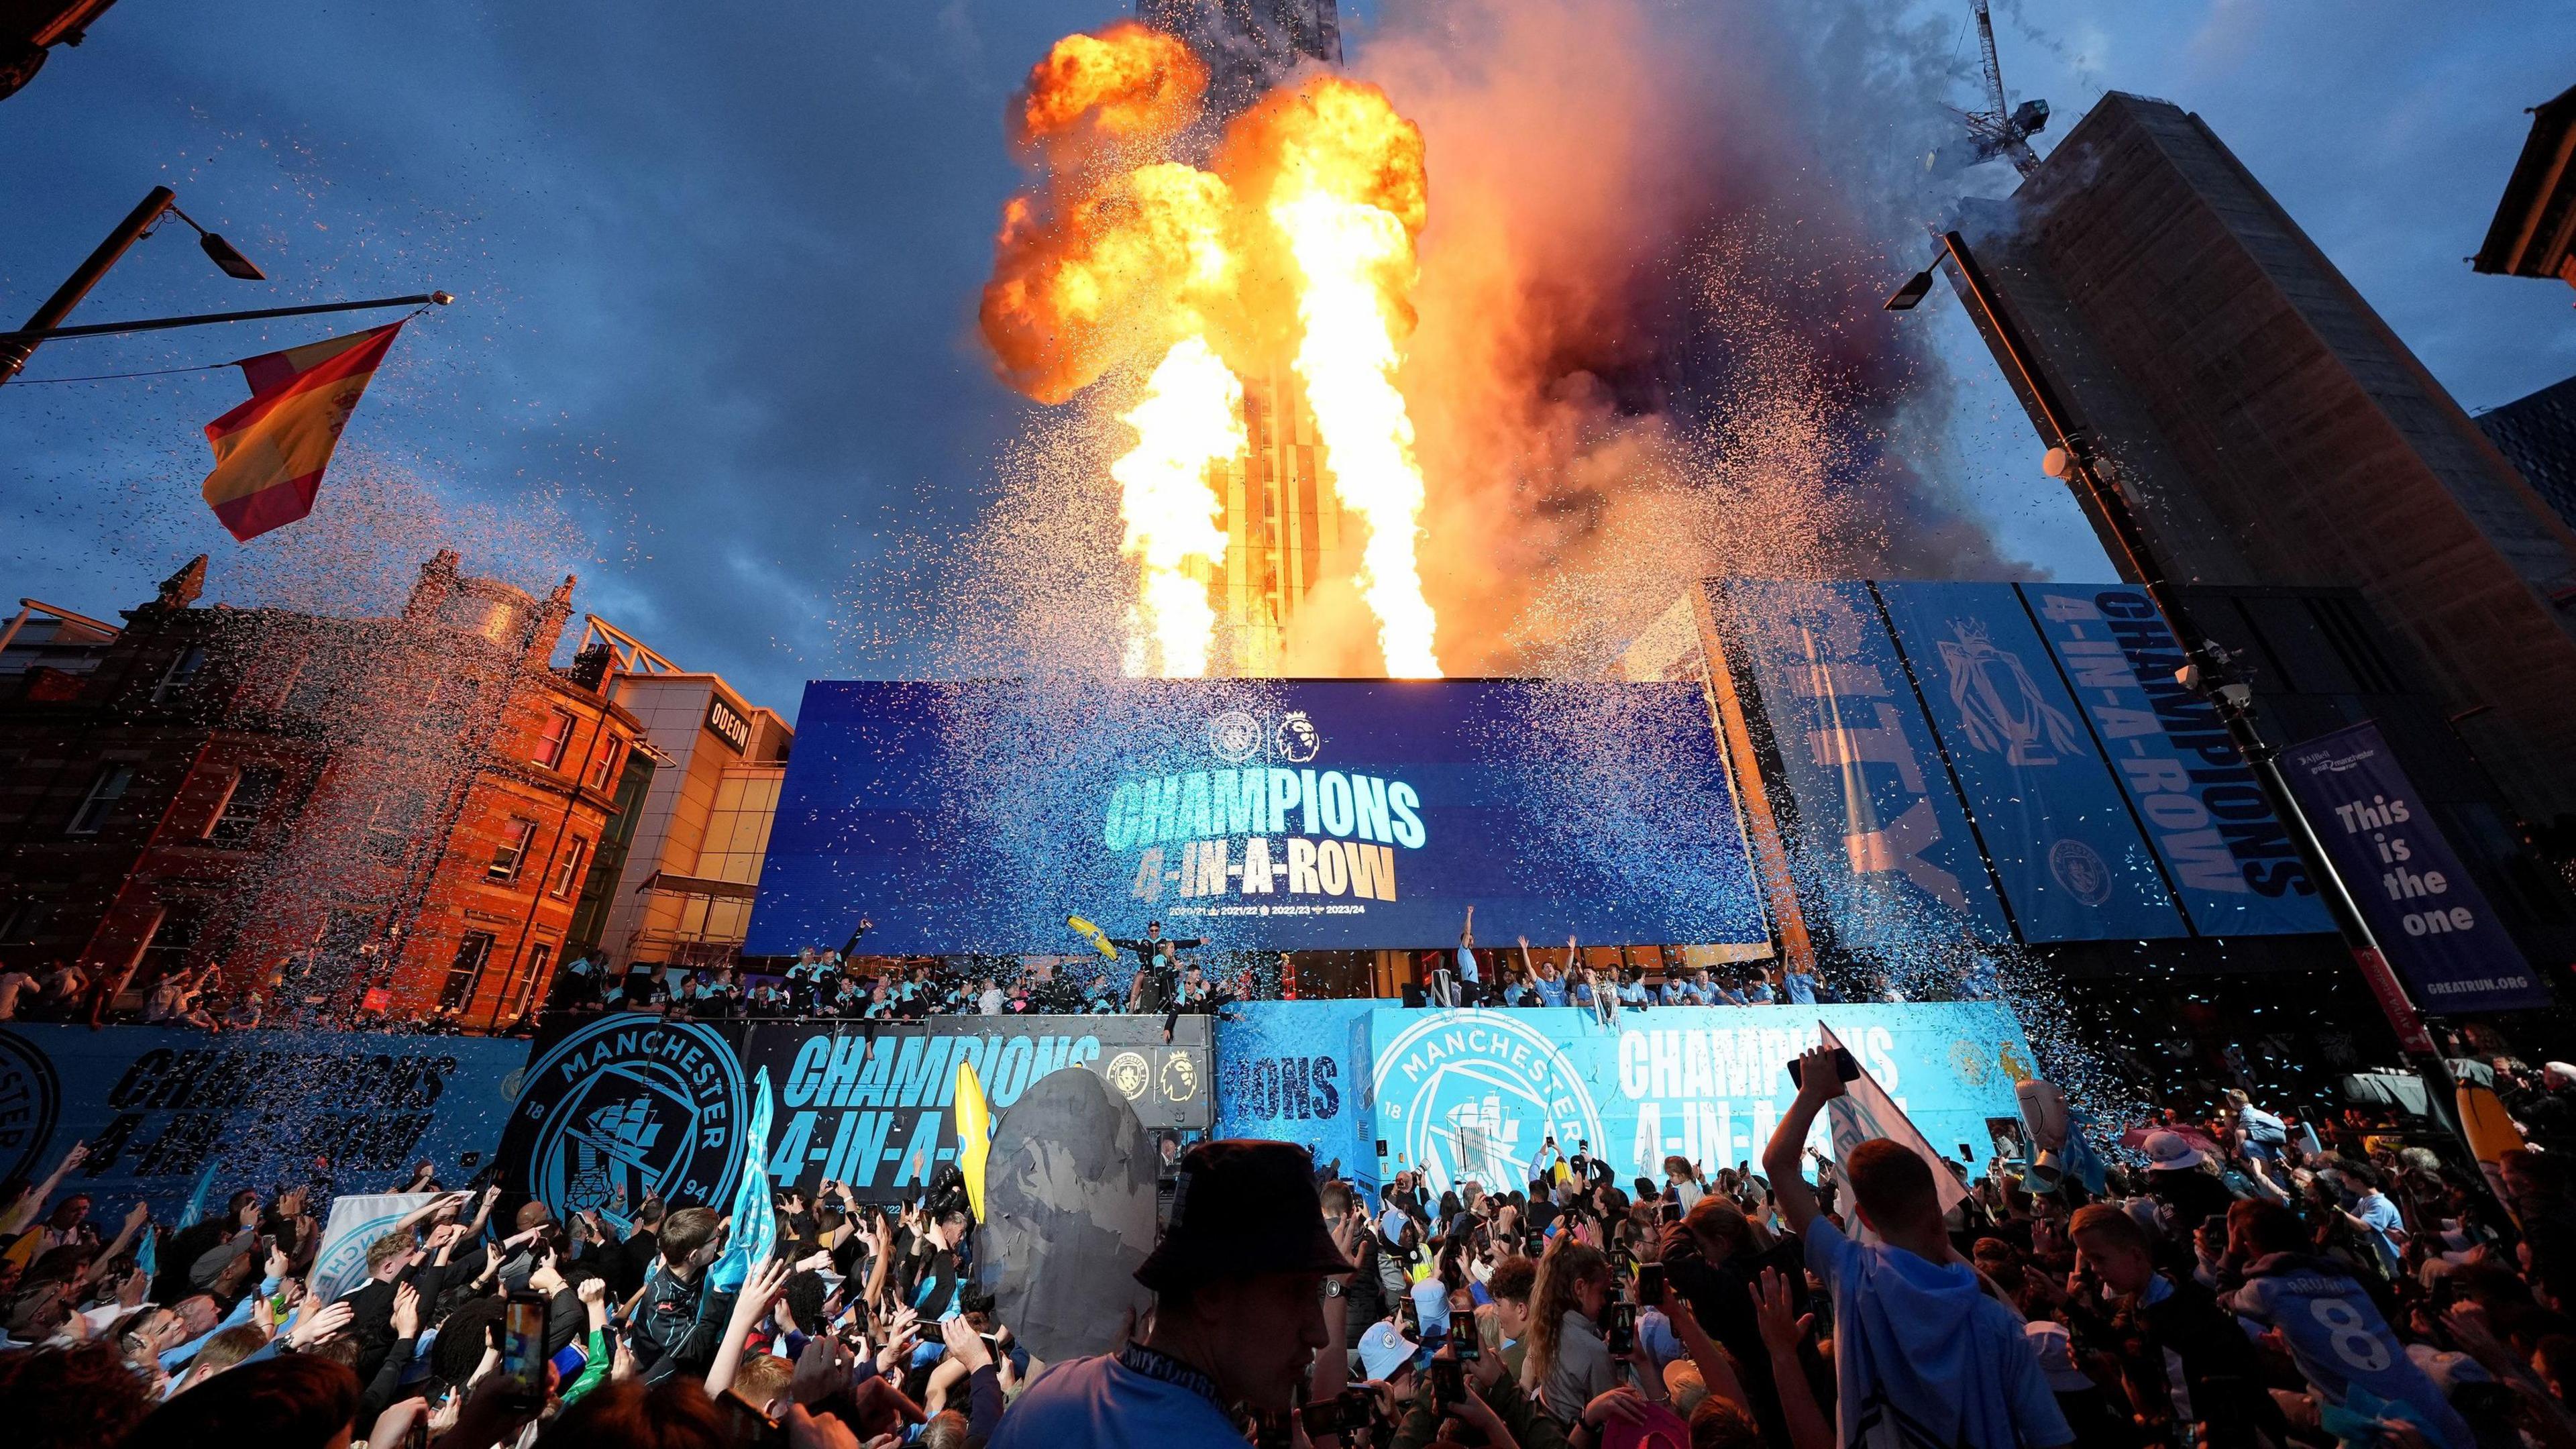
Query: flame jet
{"x": 1297, "y": 242}
{"x": 1191, "y": 420}
{"x": 1347, "y": 191}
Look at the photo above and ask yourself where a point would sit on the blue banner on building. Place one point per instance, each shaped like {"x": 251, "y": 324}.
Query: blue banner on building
{"x": 349, "y": 1111}
{"x": 1881, "y": 842}
{"x": 1285, "y": 1073}
{"x": 1278, "y": 815}
{"x": 2433, "y": 923}
{"x": 1495, "y": 1095}
{"x": 2055, "y": 826}
{"x": 620, "y": 1107}
{"x": 2232, "y": 863}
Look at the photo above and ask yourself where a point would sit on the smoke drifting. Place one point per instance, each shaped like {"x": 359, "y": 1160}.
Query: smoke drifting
{"x": 1648, "y": 343}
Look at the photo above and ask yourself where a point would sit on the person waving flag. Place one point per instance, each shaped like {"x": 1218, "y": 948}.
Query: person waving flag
{"x": 270, "y": 451}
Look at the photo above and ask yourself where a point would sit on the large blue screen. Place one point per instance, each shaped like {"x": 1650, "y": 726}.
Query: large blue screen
{"x": 1269, "y": 814}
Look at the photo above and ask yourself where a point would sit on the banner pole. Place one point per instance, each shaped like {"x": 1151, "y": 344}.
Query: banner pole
{"x": 2073, "y": 456}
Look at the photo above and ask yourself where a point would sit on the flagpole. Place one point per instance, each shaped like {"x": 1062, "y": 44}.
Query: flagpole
{"x": 157, "y": 324}
{"x": 15, "y": 350}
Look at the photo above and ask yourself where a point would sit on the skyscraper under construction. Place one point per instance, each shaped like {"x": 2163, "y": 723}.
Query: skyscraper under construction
{"x": 1284, "y": 527}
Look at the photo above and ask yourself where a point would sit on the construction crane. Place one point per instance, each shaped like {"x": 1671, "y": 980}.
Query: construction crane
{"x": 1996, "y": 130}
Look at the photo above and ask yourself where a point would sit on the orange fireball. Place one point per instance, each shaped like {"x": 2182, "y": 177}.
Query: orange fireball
{"x": 1295, "y": 247}
{"x": 1126, "y": 85}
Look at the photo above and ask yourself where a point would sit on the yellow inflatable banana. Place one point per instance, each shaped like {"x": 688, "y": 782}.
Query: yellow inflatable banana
{"x": 2489, "y": 1128}
{"x": 974, "y": 1134}
{"x": 1098, "y": 938}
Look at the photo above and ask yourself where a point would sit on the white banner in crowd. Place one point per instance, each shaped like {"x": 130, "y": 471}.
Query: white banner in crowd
{"x": 356, "y": 1221}
{"x": 1864, "y": 1111}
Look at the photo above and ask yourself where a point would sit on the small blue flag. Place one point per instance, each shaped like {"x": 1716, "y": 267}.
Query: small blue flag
{"x": 196, "y": 1207}
{"x": 755, "y": 1220}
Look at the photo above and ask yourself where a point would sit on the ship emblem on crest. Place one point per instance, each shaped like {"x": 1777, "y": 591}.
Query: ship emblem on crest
{"x": 623, "y": 1110}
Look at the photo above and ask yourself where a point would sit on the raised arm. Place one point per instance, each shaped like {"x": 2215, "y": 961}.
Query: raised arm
{"x": 1783, "y": 1328}
{"x": 749, "y": 1307}
{"x": 24, "y": 1212}
{"x": 413, "y": 1218}
{"x": 1818, "y": 1083}
{"x": 135, "y": 1218}
{"x": 483, "y": 1213}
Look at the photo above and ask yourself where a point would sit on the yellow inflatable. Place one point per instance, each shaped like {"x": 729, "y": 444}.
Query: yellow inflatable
{"x": 2489, "y": 1128}
{"x": 1098, "y": 938}
{"x": 974, "y": 1134}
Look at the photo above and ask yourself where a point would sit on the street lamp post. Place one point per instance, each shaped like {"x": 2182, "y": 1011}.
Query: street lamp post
{"x": 2073, "y": 456}
{"x": 17, "y": 347}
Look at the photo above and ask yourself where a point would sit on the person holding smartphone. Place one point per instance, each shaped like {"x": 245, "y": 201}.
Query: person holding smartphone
{"x": 1567, "y": 1361}
{"x": 1474, "y": 1389}
{"x": 1916, "y": 1339}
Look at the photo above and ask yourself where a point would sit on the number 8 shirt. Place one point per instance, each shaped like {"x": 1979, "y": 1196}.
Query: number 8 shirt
{"x": 2339, "y": 1340}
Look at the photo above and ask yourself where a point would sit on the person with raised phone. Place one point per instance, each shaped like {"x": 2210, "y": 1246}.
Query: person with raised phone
{"x": 1921, "y": 1354}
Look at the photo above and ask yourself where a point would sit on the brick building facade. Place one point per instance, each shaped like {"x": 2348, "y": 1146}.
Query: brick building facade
{"x": 383, "y": 814}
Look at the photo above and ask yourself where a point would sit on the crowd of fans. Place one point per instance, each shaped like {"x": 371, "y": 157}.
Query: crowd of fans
{"x": 1152, "y": 975}
{"x": 2239, "y": 1278}
{"x": 467, "y": 1332}
{"x": 1158, "y": 975}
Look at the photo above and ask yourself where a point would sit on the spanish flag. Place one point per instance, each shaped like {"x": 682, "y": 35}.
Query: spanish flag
{"x": 270, "y": 451}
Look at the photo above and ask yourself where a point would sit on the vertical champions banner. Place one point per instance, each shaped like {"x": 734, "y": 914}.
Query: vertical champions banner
{"x": 1269, "y": 814}
{"x": 2432, "y": 921}
{"x": 1478, "y": 1093}
{"x": 625, "y": 1106}
{"x": 265, "y": 1108}
{"x": 1948, "y": 752}
{"x": 2230, "y": 860}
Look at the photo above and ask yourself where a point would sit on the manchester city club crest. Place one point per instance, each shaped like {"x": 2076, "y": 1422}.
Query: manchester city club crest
{"x": 30, "y": 1096}
{"x": 1234, "y": 736}
{"x": 2081, "y": 869}
{"x": 1476, "y": 1095}
{"x": 627, "y": 1108}
{"x": 1129, "y": 1074}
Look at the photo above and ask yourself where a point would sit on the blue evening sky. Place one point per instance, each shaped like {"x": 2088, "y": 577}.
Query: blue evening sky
{"x": 716, "y": 346}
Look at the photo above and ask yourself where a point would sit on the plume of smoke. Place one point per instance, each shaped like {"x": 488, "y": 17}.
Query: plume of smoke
{"x": 1649, "y": 344}
{"x": 1648, "y": 347}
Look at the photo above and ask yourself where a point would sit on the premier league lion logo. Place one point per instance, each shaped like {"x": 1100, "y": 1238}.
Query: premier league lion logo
{"x": 1476, "y": 1095}
{"x": 628, "y": 1108}
{"x": 1297, "y": 738}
